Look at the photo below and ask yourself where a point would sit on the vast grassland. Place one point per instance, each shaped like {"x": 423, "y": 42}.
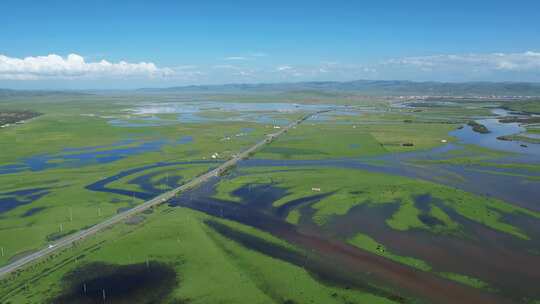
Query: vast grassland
{"x": 338, "y": 178}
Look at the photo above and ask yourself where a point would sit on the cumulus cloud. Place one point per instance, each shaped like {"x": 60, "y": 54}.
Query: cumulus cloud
{"x": 526, "y": 61}
{"x": 74, "y": 66}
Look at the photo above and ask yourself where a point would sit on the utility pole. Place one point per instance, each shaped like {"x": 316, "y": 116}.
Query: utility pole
{"x": 2, "y": 251}
{"x": 70, "y": 214}
{"x": 61, "y": 227}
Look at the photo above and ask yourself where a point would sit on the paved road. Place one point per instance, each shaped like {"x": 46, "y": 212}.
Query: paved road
{"x": 68, "y": 240}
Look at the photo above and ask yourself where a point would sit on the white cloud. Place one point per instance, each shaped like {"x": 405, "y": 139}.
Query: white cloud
{"x": 526, "y": 61}
{"x": 239, "y": 58}
{"x": 247, "y": 57}
{"x": 284, "y": 68}
{"x": 74, "y": 67}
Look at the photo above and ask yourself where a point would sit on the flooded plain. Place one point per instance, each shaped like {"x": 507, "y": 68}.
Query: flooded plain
{"x": 328, "y": 258}
{"x": 86, "y": 156}
{"x": 497, "y": 129}
{"x": 149, "y": 115}
{"x": 499, "y": 259}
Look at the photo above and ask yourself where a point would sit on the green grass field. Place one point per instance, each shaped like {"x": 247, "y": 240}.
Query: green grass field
{"x": 179, "y": 237}
{"x": 211, "y": 267}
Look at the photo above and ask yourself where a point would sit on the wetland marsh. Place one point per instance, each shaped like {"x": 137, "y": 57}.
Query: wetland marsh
{"x": 375, "y": 201}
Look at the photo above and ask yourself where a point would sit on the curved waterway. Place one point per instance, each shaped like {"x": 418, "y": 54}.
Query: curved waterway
{"x": 489, "y": 140}
{"x": 85, "y": 156}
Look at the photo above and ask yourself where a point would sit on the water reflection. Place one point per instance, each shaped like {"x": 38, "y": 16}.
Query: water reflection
{"x": 468, "y": 136}
{"x": 190, "y": 112}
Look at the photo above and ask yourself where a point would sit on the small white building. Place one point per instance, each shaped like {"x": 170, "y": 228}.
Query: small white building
{"x": 316, "y": 189}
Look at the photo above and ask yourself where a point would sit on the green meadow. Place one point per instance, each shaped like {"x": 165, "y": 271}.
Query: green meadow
{"x": 211, "y": 267}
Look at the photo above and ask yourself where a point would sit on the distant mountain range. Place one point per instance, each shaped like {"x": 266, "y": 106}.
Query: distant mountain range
{"x": 360, "y": 87}
{"x": 370, "y": 87}
{"x": 31, "y": 93}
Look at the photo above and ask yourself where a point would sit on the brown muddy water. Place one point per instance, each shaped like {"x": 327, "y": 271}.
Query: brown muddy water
{"x": 503, "y": 261}
{"x": 327, "y": 258}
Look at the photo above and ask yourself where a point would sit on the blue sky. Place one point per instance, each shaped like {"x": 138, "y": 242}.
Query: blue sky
{"x": 165, "y": 43}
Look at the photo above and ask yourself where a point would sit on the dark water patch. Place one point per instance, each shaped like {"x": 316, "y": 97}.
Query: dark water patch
{"x": 430, "y": 220}
{"x": 424, "y": 203}
{"x": 14, "y": 199}
{"x": 78, "y": 157}
{"x": 259, "y": 196}
{"x": 151, "y": 282}
{"x": 263, "y": 196}
{"x": 33, "y": 211}
{"x": 201, "y": 199}
{"x": 283, "y": 210}
{"x": 148, "y": 183}
{"x": 101, "y": 185}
